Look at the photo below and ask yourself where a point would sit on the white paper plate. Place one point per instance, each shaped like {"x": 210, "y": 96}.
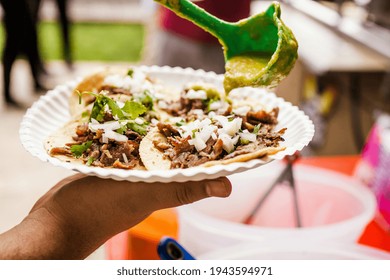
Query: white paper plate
{"x": 51, "y": 112}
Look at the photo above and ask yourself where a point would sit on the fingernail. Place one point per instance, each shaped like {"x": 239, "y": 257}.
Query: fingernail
{"x": 219, "y": 188}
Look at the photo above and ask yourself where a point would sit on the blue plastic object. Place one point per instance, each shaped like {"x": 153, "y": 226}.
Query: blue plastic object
{"x": 169, "y": 249}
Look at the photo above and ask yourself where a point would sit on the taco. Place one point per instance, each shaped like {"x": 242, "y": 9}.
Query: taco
{"x": 108, "y": 137}
{"x": 120, "y": 84}
{"x": 113, "y": 114}
{"x": 219, "y": 132}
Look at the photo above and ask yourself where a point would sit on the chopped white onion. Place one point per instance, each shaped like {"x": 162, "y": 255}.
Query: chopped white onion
{"x": 216, "y": 105}
{"x": 176, "y": 119}
{"x": 137, "y": 83}
{"x": 114, "y": 80}
{"x": 198, "y": 112}
{"x": 159, "y": 95}
{"x": 125, "y": 158}
{"x": 197, "y": 142}
{"x": 235, "y": 139}
{"x": 186, "y": 130}
{"x": 232, "y": 127}
{"x": 139, "y": 121}
{"x": 115, "y": 136}
{"x": 205, "y": 122}
{"x": 196, "y": 94}
{"x": 227, "y": 143}
{"x": 162, "y": 104}
{"x": 206, "y": 132}
{"x": 120, "y": 103}
{"x": 221, "y": 119}
{"x": 248, "y": 136}
{"x": 212, "y": 115}
{"x": 242, "y": 111}
{"x": 112, "y": 125}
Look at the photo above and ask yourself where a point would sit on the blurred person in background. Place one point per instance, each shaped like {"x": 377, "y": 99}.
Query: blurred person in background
{"x": 65, "y": 24}
{"x": 179, "y": 42}
{"x": 21, "y": 40}
{"x": 21, "y": 18}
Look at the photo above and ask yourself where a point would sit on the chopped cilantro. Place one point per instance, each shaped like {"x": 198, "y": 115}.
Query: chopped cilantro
{"x": 208, "y": 103}
{"x": 122, "y": 129}
{"x": 131, "y": 109}
{"x": 115, "y": 110}
{"x": 180, "y": 123}
{"x": 90, "y": 160}
{"x": 228, "y": 100}
{"x": 256, "y": 129}
{"x": 146, "y": 99}
{"x": 134, "y": 109}
{"x": 97, "y": 112}
{"x": 85, "y": 115}
{"x": 80, "y": 95}
{"x": 211, "y": 92}
{"x": 130, "y": 72}
{"x": 78, "y": 150}
{"x": 141, "y": 129}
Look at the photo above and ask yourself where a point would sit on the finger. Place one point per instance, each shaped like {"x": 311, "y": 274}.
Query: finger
{"x": 177, "y": 194}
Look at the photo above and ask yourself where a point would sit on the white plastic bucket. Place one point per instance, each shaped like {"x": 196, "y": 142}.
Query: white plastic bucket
{"x": 333, "y": 207}
{"x": 286, "y": 250}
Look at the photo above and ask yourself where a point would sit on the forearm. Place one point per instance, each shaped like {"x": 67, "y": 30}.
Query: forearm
{"x": 80, "y": 213}
{"x": 39, "y": 236}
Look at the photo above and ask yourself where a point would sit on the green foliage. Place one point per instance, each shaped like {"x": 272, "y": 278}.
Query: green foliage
{"x": 78, "y": 150}
{"x": 91, "y": 41}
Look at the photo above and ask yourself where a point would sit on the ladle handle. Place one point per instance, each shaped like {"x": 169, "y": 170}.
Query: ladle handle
{"x": 188, "y": 10}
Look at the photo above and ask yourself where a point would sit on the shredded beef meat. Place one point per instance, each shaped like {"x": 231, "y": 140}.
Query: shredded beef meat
{"x": 184, "y": 155}
{"x": 187, "y": 108}
{"x": 184, "y": 107}
{"x": 180, "y": 145}
{"x": 114, "y": 90}
{"x": 81, "y": 133}
{"x": 217, "y": 150}
{"x": 167, "y": 129}
{"x": 162, "y": 146}
{"x": 88, "y": 99}
{"x": 261, "y": 116}
{"x": 126, "y": 165}
{"x": 190, "y": 104}
{"x": 132, "y": 135}
{"x": 112, "y": 154}
{"x": 65, "y": 151}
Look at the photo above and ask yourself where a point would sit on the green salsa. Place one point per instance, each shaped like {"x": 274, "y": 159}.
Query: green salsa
{"x": 174, "y": 4}
{"x": 259, "y": 51}
{"x": 243, "y": 70}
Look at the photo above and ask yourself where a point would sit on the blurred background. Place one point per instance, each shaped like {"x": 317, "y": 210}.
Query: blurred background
{"x": 341, "y": 79}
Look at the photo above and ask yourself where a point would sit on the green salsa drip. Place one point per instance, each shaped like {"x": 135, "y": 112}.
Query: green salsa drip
{"x": 242, "y": 70}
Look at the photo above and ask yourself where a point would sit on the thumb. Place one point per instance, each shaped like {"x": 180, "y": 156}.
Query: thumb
{"x": 177, "y": 194}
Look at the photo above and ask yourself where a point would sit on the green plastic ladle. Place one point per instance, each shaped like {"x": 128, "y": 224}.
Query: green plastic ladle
{"x": 259, "y": 51}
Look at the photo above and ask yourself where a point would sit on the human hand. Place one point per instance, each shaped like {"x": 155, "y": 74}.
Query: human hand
{"x": 81, "y": 212}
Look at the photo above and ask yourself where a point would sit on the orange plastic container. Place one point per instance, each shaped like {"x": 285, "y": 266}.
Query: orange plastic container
{"x": 141, "y": 241}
